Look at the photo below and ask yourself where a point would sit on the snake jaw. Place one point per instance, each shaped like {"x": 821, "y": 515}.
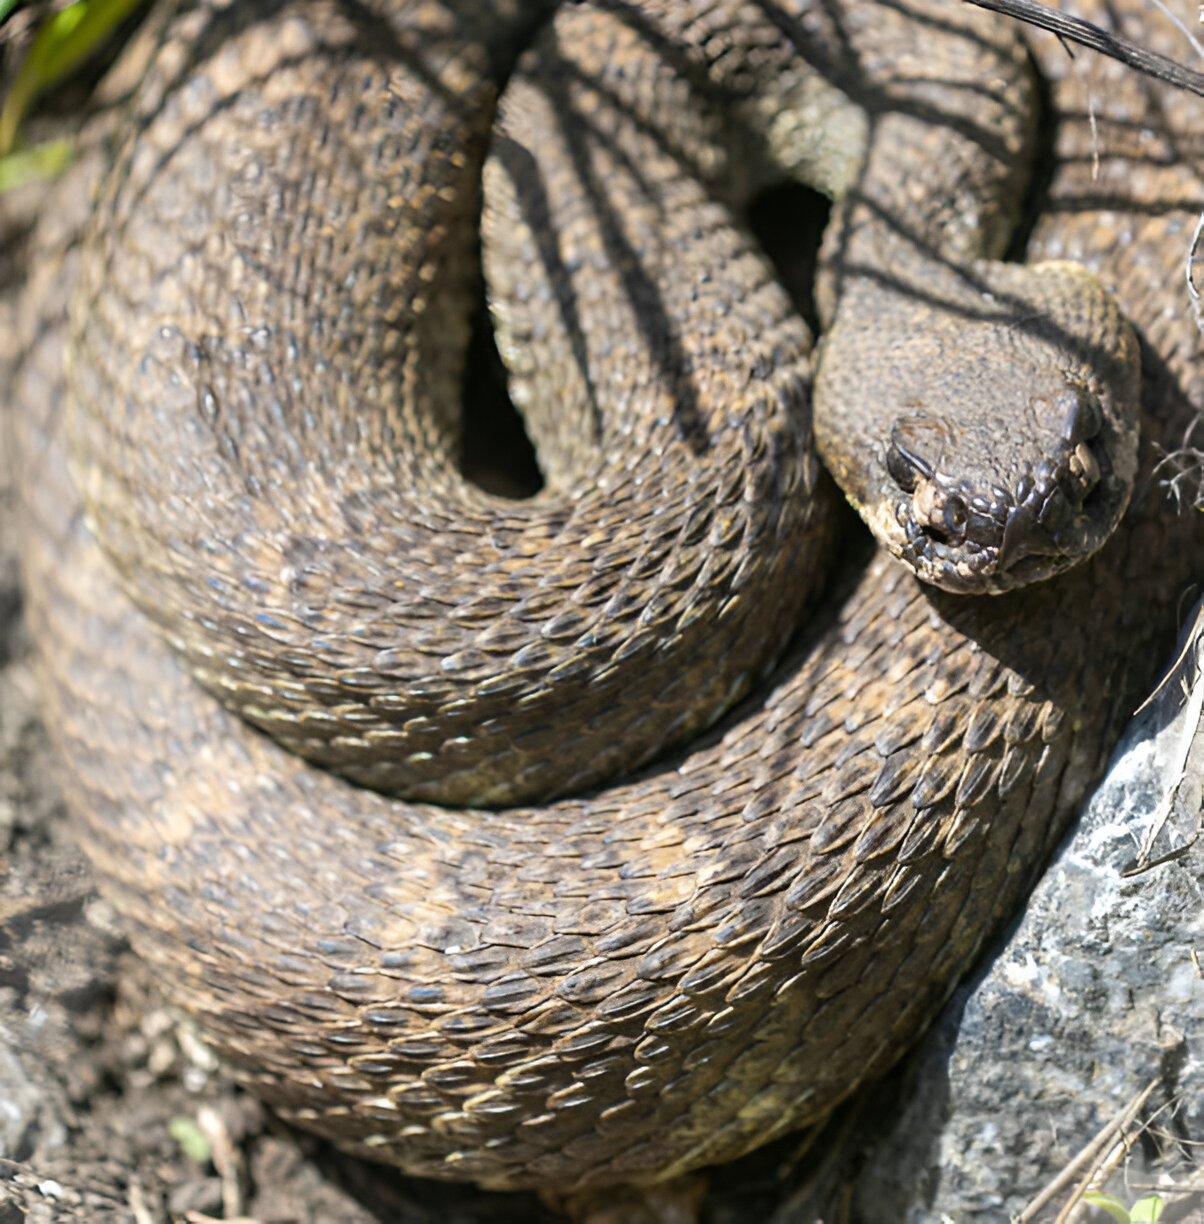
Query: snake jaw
{"x": 947, "y": 535}
{"x": 968, "y": 540}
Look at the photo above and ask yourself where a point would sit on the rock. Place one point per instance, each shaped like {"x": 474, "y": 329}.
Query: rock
{"x": 1094, "y": 1004}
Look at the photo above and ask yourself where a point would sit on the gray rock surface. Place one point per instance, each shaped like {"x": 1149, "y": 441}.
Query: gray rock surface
{"x": 1096, "y": 997}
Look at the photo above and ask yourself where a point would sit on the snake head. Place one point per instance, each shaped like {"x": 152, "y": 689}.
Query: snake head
{"x": 988, "y": 442}
{"x": 987, "y": 514}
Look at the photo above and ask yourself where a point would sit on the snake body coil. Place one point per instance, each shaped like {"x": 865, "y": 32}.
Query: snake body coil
{"x": 652, "y": 974}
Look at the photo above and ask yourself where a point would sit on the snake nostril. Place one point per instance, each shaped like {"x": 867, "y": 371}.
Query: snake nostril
{"x": 954, "y": 517}
{"x": 943, "y": 517}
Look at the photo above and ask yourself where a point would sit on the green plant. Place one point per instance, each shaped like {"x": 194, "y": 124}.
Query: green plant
{"x": 60, "y": 46}
{"x": 1146, "y": 1210}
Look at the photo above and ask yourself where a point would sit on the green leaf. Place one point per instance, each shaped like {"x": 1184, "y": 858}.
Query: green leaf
{"x": 61, "y": 45}
{"x": 41, "y": 162}
{"x": 1113, "y": 1206}
{"x": 1147, "y": 1210}
{"x": 6, "y": 7}
{"x": 191, "y": 1139}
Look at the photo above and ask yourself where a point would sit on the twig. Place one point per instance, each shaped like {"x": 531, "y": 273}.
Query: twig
{"x": 1077, "y": 30}
{"x": 136, "y": 1201}
{"x": 1192, "y": 259}
{"x": 1174, "y": 17}
{"x": 1098, "y": 1174}
{"x": 1088, "y": 1155}
{"x": 1169, "y": 1189}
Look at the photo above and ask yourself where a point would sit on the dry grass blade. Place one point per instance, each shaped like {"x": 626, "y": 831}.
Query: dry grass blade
{"x": 1086, "y": 34}
{"x": 1089, "y": 1157}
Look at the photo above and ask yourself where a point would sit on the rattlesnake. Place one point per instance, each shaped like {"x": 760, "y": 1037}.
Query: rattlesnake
{"x": 646, "y": 975}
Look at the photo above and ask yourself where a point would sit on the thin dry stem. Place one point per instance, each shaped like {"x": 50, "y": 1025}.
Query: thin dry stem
{"x": 1088, "y": 1157}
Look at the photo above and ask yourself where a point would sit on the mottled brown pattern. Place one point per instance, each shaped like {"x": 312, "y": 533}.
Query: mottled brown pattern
{"x": 664, "y": 971}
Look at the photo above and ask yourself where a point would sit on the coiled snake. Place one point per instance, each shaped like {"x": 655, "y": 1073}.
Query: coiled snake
{"x": 646, "y": 975}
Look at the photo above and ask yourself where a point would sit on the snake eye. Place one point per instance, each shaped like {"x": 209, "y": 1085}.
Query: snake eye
{"x": 901, "y": 470}
{"x": 905, "y": 465}
{"x": 1056, "y": 512}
